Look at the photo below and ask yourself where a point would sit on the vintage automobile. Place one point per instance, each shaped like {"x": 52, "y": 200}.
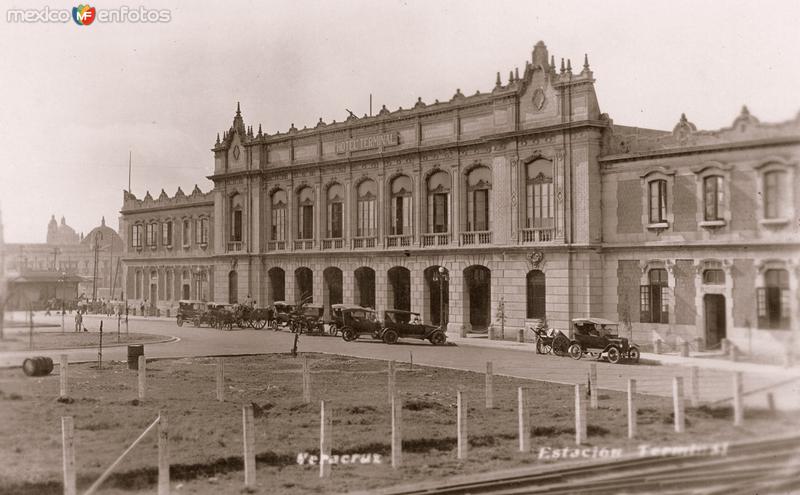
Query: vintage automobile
{"x": 406, "y": 324}
{"x": 191, "y": 311}
{"x": 357, "y": 321}
{"x": 336, "y": 321}
{"x": 281, "y": 314}
{"x": 596, "y": 337}
{"x": 308, "y": 319}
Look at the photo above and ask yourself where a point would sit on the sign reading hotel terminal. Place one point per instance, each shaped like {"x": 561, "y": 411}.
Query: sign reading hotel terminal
{"x": 367, "y": 142}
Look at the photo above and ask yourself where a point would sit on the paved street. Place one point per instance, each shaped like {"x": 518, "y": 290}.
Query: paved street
{"x": 653, "y": 379}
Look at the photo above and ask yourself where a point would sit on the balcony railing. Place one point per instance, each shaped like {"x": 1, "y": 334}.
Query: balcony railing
{"x": 303, "y": 244}
{"x": 473, "y": 238}
{"x": 399, "y": 240}
{"x": 276, "y": 246}
{"x": 235, "y": 246}
{"x": 438, "y": 239}
{"x": 364, "y": 242}
{"x": 536, "y": 235}
{"x": 334, "y": 243}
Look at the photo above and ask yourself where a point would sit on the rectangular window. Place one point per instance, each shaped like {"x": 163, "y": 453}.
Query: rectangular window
{"x": 236, "y": 226}
{"x": 166, "y": 233}
{"x": 278, "y": 232}
{"x": 440, "y": 221}
{"x": 644, "y": 303}
{"x": 775, "y": 194}
{"x": 658, "y": 201}
{"x": 201, "y": 231}
{"x": 335, "y": 220}
{"x": 401, "y": 218}
{"x": 366, "y": 224}
{"x": 150, "y": 234}
{"x": 480, "y": 221}
{"x": 136, "y": 236}
{"x": 773, "y": 301}
{"x": 187, "y": 234}
{"x": 712, "y": 197}
{"x": 306, "y": 222}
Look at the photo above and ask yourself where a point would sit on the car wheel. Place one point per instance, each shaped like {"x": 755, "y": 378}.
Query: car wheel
{"x": 575, "y": 351}
{"x": 438, "y": 338}
{"x": 348, "y": 334}
{"x": 634, "y": 354}
{"x": 613, "y": 355}
{"x": 273, "y": 324}
{"x": 390, "y": 336}
{"x": 180, "y": 322}
{"x": 333, "y": 329}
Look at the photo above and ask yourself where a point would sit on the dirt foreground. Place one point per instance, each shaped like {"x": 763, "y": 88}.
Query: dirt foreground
{"x": 206, "y": 435}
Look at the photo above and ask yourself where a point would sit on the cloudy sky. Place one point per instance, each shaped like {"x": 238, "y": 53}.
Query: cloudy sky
{"x": 76, "y": 99}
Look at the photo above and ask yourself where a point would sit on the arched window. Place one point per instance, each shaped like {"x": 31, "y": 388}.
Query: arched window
{"x": 402, "y": 206}
{"x": 439, "y": 202}
{"x": 539, "y": 195}
{"x": 773, "y": 300}
{"x": 335, "y": 211}
{"x": 479, "y": 185}
{"x": 237, "y": 207}
{"x": 305, "y": 213}
{"x": 278, "y": 223}
{"x": 366, "y": 210}
{"x": 536, "y": 294}
{"x": 654, "y": 297}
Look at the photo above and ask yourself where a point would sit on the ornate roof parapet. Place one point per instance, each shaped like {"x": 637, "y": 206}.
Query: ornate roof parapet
{"x": 131, "y": 203}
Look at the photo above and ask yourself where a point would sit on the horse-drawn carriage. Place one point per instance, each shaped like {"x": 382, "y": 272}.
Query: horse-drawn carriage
{"x": 246, "y": 315}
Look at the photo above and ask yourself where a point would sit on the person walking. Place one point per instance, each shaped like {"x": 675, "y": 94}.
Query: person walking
{"x": 78, "y": 321}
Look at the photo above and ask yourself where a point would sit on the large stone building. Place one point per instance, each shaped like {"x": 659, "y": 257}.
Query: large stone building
{"x": 498, "y": 209}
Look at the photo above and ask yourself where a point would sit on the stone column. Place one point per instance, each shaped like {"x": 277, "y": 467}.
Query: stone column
{"x": 348, "y": 285}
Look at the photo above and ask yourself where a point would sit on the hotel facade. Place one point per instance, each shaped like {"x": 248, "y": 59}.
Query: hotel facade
{"x": 495, "y": 210}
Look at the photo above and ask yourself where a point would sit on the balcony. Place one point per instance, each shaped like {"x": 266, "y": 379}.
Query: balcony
{"x": 536, "y": 235}
{"x": 438, "y": 239}
{"x": 276, "y": 246}
{"x": 393, "y": 241}
{"x": 364, "y": 242}
{"x": 234, "y": 246}
{"x": 333, "y": 243}
{"x": 475, "y": 238}
{"x": 303, "y": 244}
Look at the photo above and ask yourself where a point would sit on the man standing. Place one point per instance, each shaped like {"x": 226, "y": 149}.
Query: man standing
{"x": 78, "y": 321}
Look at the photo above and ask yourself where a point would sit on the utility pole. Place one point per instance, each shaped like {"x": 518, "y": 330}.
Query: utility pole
{"x": 94, "y": 274}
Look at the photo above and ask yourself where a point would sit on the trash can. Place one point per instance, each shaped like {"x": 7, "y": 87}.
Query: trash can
{"x": 134, "y": 351}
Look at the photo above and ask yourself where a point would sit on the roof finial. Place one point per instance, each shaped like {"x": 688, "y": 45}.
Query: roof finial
{"x": 510, "y": 76}
{"x": 516, "y": 73}
{"x": 552, "y": 62}
{"x": 259, "y": 130}
{"x": 585, "y": 61}
{"x": 562, "y": 65}
{"x": 498, "y": 83}
{"x": 217, "y": 138}
{"x": 569, "y": 66}
{"x": 238, "y": 109}
{"x": 103, "y": 221}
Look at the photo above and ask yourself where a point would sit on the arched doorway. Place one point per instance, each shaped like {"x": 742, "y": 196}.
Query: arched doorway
{"x": 478, "y": 296}
{"x": 399, "y": 288}
{"x": 365, "y": 287}
{"x": 233, "y": 287}
{"x": 276, "y": 290}
{"x": 332, "y": 292}
{"x": 436, "y": 295}
{"x": 303, "y": 285}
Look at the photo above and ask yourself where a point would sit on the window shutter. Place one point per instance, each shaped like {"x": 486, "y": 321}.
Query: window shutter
{"x": 644, "y": 303}
{"x": 761, "y": 307}
{"x": 665, "y": 295}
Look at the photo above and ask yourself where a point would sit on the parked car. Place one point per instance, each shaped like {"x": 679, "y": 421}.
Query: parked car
{"x": 596, "y": 337}
{"x": 281, "y": 314}
{"x": 191, "y": 311}
{"x": 357, "y": 321}
{"x": 406, "y": 324}
{"x": 309, "y": 319}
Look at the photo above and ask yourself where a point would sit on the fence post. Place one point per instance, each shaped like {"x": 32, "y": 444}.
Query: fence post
{"x": 580, "y": 417}
{"x": 306, "y": 381}
{"x": 249, "y": 437}
{"x": 593, "y": 393}
{"x": 524, "y": 420}
{"x": 738, "y": 408}
{"x": 163, "y": 454}
{"x": 694, "y": 377}
{"x": 142, "y": 377}
{"x": 63, "y": 371}
{"x": 631, "y": 408}
{"x": 461, "y": 424}
{"x": 391, "y": 383}
{"x": 489, "y": 386}
{"x": 325, "y": 425}
{"x": 397, "y": 432}
{"x": 68, "y": 453}
{"x": 677, "y": 402}
{"x": 657, "y": 346}
{"x": 220, "y": 380}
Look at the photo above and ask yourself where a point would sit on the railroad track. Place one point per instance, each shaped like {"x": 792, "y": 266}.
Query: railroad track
{"x": 754, "y": 467}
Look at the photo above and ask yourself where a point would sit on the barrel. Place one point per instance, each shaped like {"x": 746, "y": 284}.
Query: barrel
{"x": 37, "y": 366}
{"x": 134, "y": 351}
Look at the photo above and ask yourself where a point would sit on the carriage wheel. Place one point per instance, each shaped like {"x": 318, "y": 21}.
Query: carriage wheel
{"x": 438, "y": 338}
{"x": 575, "y": 351}
{"x": 259, "y": 324}
{"x": 542, "y": 347}
{"x": 560, "y": 345}
{"x": 333, "y": 329}
{"x": 613, "y": 355}
{"x": 180, "y": 321}
{"x": 241, "y": 323}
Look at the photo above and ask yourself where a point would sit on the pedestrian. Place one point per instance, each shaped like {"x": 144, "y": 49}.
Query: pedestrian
{"x": 78, "y": 321}
{"x": 141, "y": 307}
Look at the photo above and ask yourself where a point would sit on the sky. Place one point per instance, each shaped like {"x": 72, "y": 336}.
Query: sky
{"x": 76, "y": 100}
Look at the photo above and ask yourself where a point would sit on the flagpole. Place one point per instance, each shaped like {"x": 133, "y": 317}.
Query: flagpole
{"x": 129, "y": 171}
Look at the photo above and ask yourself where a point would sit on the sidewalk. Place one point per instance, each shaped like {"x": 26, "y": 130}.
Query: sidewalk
{"x": 707, "y": 360}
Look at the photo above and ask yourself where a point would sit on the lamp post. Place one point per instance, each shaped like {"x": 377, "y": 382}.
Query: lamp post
{"x": 443, "y": 277}
{"x": 61, "y": 286}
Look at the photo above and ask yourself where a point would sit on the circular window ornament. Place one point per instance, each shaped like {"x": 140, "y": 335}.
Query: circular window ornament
{"x": 236, "y": 152}
{"x": 538, "y": 99}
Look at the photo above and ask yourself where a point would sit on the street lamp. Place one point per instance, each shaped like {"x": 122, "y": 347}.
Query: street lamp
{"x": 61, "y": 280}
{"x": 442, "y": 276}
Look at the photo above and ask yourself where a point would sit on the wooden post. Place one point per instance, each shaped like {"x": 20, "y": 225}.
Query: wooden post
{"x": 489, "y": 386}
{"x": 580, "y": 417}
{"x": 677, "y": 402}
{"x": 249, "y": 437}
{"x": 397, "y": 432}
{"x": 461, "y": 424}
{"x": 410, "y": 361}
{"x": 738, "y": 408}
{"x": 62, "y": 372}
{"x": 100, "y": 349}
{"x": 593, "y": 391}
{"x": 306, "y": 381}
{"x": 694, "y": 378}
{"x": 30, "y": 329}
{"x": 325, "y": 426}
{"x": 163, "y": 454}
{"x": 68, "y": 454}
{"x": 142, "y": 377}
{"x": 631, "y": 408}
{"x": 220, "y": 380}
{"x": 523, "y": 415}
{"x": 119, "y": 318}
{"x": 391, "y": 384}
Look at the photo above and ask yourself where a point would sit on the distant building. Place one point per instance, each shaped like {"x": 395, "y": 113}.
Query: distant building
{"x": 524, "y": 202}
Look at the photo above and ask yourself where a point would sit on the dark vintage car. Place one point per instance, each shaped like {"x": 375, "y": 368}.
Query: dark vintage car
{"x": 357, "y": 321}
{"x": 281, "y": 314}
{"x": 596, "y": 337}
{"x": 336, "y": 320}
{"x": 308, "y": 319}
{"x": 192, "y": 311}
{"x": 406, "y": 324}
